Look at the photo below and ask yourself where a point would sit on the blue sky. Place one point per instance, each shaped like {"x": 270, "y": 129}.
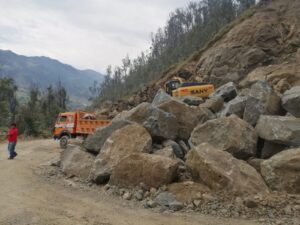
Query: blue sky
{"x": 84, "y": 33}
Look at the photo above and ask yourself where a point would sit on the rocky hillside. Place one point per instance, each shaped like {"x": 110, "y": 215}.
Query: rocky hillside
{"x": 262, "y": 44}
{"x": 43, "y": 71}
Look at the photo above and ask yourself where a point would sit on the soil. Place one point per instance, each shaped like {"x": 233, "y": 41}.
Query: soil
{"x": 29, "y": 197}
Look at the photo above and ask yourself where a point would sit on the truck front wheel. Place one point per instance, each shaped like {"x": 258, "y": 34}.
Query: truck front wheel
{"x": 63, "y": 142}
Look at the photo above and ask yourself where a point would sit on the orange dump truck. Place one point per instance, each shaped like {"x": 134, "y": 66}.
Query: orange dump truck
{"x": 76, "y": 124}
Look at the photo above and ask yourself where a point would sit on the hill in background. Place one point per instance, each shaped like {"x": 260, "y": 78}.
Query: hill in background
{"x": 43, "y": 71}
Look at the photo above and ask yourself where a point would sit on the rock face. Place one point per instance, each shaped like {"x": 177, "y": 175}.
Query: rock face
{"x": 278, "y": 129}
{"x": 235, "y": 106}
{"x": 95, "y": 142}
{"x": 76, "y": 162}
{"x": 186, "y": 116}
{"x": 229, "y": 134}
{"x": 262, "y": 100}
{"x": 227, "y": 92}
{"x": 287, "y": 73}
{"x": 252, "y": 43}
{"x": 291, "y": 101}
{"x": 160, "y": 124}
{"x": 123, "y": 142}
{"x": 281, "y": 172}
{"x": 222, "y": 172}
{"x": 152, "y": 170}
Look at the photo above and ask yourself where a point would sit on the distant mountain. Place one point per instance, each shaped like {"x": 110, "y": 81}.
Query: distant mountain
{"x": 43, "y": 71}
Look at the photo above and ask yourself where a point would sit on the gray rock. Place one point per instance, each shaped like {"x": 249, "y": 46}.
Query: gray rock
{"x": 262, "y": 100}
{"x": 76, "y": 162}
{"x": 291, "y": 101}
{"x": 227, "y": 92}
{"x": 214, "y": 104}
{"x": 169, "y": 200}
{"x": 160, "y": 97}
{"x": 176, "y": 148}
{"x": 160, "y": 124}
{"x": 235, "y": 106}
{"x": 95, "y": 142}
{"x": 139, "y": 195}
{"x": 229, "y": 134}
{"x": 281, "y": 172}
{"x": 187, "y": 117}
{"x": 184, "y": 146}
{"x": 192, "y": 100}
{"x": 150, "y": 204}
{"x": 279, "y": 129}
{"x": 175, "y": 206}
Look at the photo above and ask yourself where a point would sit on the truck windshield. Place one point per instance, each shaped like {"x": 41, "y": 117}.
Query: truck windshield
{"x": 62, "y": 119}
{"x": 65, "y": 119}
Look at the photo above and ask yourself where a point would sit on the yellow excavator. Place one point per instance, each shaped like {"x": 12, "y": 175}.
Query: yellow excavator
{"x": 178, "y": 87}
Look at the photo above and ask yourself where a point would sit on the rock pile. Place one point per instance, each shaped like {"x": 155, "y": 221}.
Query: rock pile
{"x": 238, "y": 144}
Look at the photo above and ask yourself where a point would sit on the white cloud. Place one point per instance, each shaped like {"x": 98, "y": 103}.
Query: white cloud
{"x": 84, "y": 33}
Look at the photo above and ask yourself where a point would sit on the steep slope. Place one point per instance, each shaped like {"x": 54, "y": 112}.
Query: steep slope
{"x": 263, "y": 43}
{"x": 44, "y": 71}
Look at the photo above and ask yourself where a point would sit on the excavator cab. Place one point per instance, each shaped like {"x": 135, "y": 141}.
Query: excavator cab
{"x": 172, "y": 85}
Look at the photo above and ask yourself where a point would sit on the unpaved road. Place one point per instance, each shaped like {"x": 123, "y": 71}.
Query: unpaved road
{"x": 26, "y": 198}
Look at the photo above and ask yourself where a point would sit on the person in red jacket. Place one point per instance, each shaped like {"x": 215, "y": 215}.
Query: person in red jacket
{"x": 12, "y": 138}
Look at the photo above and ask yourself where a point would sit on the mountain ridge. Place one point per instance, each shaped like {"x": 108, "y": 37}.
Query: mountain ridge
{"x": 44, "y": 71}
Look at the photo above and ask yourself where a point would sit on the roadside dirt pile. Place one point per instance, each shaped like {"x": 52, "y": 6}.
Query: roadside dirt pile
{"x": 237, "y": 152}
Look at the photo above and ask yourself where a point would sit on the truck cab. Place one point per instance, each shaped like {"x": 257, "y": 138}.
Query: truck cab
{"x": 65, "y": 125}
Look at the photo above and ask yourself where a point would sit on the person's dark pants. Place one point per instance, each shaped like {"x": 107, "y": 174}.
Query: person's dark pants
{"x": 11, "y": 149}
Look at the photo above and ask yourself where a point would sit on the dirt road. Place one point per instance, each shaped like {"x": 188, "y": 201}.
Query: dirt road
{"x": 26, "y": 198}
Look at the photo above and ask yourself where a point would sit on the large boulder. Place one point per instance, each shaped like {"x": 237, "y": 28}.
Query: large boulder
{"x": 227, "y": 92}
{"x": 76, "y": 162}
{"x": 160, "y": 124}
{"x": 187, "y": 117}
{"x": 152, "y": 170}
{"x": 220, "y": 171}
{"x": 229, "y": 134}
{"x": 279, "y": 129}
{"x": 123, "y": 142}
{"x": 291, "y": 101}
{"x": 282, "y": 171}
{"x": 235, "y": 106}
{"x": 95, "y": 142}
{"x": 262, "y": 100}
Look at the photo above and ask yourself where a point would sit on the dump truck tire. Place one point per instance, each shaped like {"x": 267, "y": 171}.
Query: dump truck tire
{"x": 63, "y": 142}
